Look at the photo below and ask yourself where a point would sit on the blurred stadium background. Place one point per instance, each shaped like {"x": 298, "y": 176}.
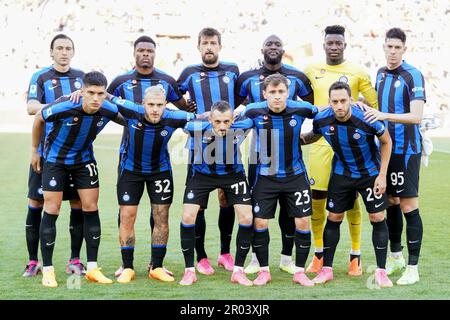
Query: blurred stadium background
{"x": 104, "y": 31}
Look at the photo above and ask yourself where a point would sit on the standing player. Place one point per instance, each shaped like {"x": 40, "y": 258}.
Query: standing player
{"x": 46, "y": 86}
{"x": 322, "y": 75}
{"x": 132, "y": 85}
{"x": 146, "y": 161}
{"x": 250, "y": 86}
{"x": 281, "y": 174}
{"x": 68, "y": 151}
{"x": 401, "y": 95}
{"x": 216, "y": 163}
{"x": 357, "y": 167}
{"x": 207, "y": 83}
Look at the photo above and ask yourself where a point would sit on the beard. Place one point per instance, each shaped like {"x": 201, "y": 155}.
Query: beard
{"x": 210, "y": 60}
{"x": 272, "y": 60}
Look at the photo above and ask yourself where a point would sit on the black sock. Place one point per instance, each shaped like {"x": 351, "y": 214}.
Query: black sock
{"x": 331, "y": 235}
{"x": 152, "y": 221}
{"x": 92, "y": 233}
{"x": 394, "y": 220}
{"x": 32, "y": 226}
{"x": 287, "y": 227}
{"x": 187, "y": 236}
{"x": 302, "y": 247}
{"x": 47, "y": 236}
{"x": 414, "y": 231}
{"x": 243, "y": 243}
{"x": 226, "y": 224}
{"x": 76, "y": 232}
{"x": 200, "y": 231}
{"x": 380, "y": 239}
{"x": 127, "y": 257}
{"x": 261, "y": 240}
{"x": 158, "y": 254}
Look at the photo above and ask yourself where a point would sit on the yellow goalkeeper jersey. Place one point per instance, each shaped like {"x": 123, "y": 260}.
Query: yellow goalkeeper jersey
{"x": 322, "y": 76}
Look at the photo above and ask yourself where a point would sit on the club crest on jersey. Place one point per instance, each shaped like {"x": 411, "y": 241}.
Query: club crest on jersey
{"x": 265, "y": 117}
{"x": 190, "y": 195}
{"x": 261, "y": 77}
{"x": 53, "y": 182}
{"x": 256, "y": 209}
{"x": 126, "y": 197}
{"x": 356, "y": 136}
{"x": 226, "y": 79}
{"x": 164, "y": 133}
{"x": 343, "y": 79}
{"x": 397, "y": 83}
{"x": 331, "y": 204}
{"x": 322, "y": 71}
{"x": 331, "y": 128}
{"x": 134, "y": 81}
{"x": 77, "y": 84}
{"x": 293, "y": 122}
{"x": 33, "y": 89}
{"x": 100, "y": 123}
{"x": 54, "y": 81}
{"x": 312, "y": 181}
{"x": 202, "y": 74}
{"x": 75, "y": 119}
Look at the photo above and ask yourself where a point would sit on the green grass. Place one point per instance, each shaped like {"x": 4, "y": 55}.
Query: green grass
{"x": 434, "y": 264}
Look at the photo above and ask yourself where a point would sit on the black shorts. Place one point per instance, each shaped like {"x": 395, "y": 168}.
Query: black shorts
{"x": 55, "y": 176}
{"x": 35, "y": 190}
{"x": 403, "y": 175}
{"x": 342, "y": 194}
{"x": 234, "y": 185}
{"x": 294, "y": 191}
{"x": 130, "y": 187}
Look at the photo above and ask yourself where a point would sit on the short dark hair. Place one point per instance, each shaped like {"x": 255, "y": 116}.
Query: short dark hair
{"x": 144, "y": 39}
{"x": 396, "y": 33}
{"x": 61, "y": 36}
{"x": 209, "y": 32}
{"x": 335, "y": 29}
{"x": 275, "y": 79}
{"x": 338, "y": 85}
{"x": 94, "y": 78}
{"x": 221, "y": 106}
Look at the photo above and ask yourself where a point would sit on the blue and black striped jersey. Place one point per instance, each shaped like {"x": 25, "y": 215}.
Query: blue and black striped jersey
{"x": 209, "y": 85}
{"x": 250, "y": 83}
{"x": 215, "y": 155}
{"x": 356, "y": 154}
{"x": 132, "y": 85}
{"x": 146, "y": 151}
{"x": 47, "y": 85}
{"x": 278, "y": 137}
{"x": 70, "y": 140}
{"x": 396, "y": 89}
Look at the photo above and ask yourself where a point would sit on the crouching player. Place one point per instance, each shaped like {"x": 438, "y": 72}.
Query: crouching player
{"x": 357, "y": 167}
{"x": 146, "y": 161}
{"x": 216, "y": 163}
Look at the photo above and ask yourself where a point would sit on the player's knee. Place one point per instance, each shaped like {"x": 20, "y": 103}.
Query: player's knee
{"x": 335, "y": 217}
{"x": 393, "y": 201}
{"x": 188, "y": 218}
{"x": 52, "y": 207}
{"x": 302, "y": 223}
{"x": 376, "y": 217}
{"x": 246, "y": 219}
{"x": 261, "y": 224}
{"x": 89, "y": 206}
{"x": 35, "y": 203}
{"x": 409, "y": 204}
{"x": 75, "y": 204}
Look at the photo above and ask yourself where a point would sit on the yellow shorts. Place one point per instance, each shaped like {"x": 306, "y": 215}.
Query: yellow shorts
{"x": 319, "y": 166}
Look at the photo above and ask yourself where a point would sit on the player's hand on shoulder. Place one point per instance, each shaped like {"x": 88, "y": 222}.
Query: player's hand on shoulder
{"x": 191, "y": 106}
{"x": 361, "y": 105}
{"x": 75, "y": 96}
{"x": 372, "y": 115}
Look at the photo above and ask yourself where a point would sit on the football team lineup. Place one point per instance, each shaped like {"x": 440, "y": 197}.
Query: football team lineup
{"x": 371, "y": 148}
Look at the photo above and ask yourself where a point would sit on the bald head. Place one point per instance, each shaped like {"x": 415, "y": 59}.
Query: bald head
{"x": 272, "y": 51}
